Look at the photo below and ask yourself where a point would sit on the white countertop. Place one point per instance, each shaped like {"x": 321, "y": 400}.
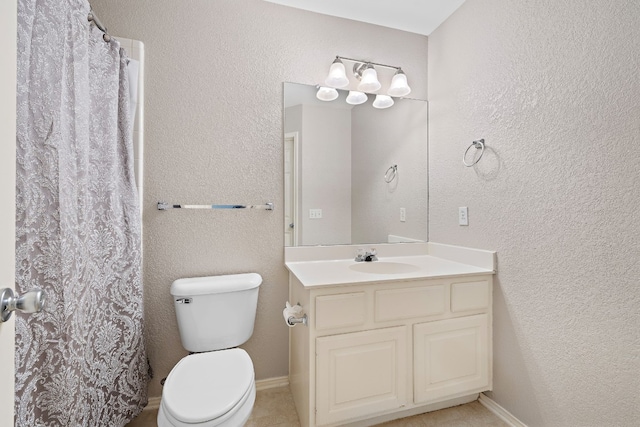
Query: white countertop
{"x": 340, "y": 272}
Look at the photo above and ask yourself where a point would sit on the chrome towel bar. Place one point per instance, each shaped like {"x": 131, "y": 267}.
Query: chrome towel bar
{"x": 162, "y": 206}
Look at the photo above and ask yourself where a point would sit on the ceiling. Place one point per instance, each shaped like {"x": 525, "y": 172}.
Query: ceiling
{"x": 415, "y": 16}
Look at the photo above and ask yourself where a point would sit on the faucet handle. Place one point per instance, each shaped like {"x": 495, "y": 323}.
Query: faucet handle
{"x": 371, "y": 255}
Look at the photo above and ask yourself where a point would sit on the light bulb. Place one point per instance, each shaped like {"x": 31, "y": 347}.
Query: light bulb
{"x": 369, "y": 81}
{"x": 337, "y": 75}
{"x": 399, "y": 86}
{"x": 326, "y": 94}
{"x": 382, "y": 101}
{"x": 356, "y": 98}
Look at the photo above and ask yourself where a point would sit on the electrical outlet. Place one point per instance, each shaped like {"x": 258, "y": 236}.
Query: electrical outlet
{"x": 463, "y": 215}
{"x": 403, "y": 215}
{"x": 315, "y": 213}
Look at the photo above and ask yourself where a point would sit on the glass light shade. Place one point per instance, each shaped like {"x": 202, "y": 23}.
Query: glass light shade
{"x": 337, "y": 75}
{"x": 326, "y": 94}
{"x": 356, "y": 98}
{"x": 382, "y": 101}
{"x": 369, "y": 81}
{"x": 399, "y": 86}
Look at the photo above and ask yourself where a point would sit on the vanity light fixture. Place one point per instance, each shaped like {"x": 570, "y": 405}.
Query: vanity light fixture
{"x": 382, "y": 101}
{"x": 399, "y": 85}
{"x": 337, "y": 75}
{"x": 326, "y": 93}
{"x": 368, "y": 78}
{"x": 356, "y": 98}
{"x": 369, "y": 83}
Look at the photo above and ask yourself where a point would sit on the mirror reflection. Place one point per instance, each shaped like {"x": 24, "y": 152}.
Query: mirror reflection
{"x": 353, "y": 174}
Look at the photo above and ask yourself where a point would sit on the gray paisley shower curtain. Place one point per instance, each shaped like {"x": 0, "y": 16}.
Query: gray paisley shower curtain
{"x": 81, "y": 362}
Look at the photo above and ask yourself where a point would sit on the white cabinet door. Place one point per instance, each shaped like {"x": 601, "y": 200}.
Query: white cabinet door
{"x": 360, "y": 374}
{"x": 451, "y": 358}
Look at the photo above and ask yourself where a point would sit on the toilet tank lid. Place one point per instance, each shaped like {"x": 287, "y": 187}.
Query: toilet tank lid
{"x": 215, "y": 284}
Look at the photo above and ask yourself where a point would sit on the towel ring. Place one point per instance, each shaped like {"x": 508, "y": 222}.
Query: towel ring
{"x": 391, "y": 173}
{"x": 479, "y": 144}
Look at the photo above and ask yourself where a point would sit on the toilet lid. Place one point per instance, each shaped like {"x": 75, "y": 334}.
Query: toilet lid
{"x": 205, "y": 386}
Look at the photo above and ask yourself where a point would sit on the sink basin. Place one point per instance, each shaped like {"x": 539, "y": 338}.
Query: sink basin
{"x": 383, "y": 267}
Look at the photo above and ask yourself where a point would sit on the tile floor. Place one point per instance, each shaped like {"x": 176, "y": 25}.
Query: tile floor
{"x": 274, "y": 408}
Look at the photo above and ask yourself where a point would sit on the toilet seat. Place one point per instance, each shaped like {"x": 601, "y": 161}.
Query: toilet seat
{"x": 206, "y": 389}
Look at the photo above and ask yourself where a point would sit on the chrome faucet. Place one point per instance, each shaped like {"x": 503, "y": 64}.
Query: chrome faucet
{"x": 366, "y": 256}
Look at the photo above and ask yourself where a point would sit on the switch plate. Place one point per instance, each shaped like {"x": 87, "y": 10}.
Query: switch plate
{"x": 315, "y": 213}
{"x": 403, "y": 215}
{"x": 463, "y": 215}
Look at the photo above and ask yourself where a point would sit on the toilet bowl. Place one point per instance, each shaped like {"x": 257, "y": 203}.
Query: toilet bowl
{"x": 215, "y": 385}
{"x": 209, "y": 389}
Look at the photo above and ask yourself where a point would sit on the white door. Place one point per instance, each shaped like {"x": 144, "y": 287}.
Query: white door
{"x": 290, "y": 189}
{"x": 8, "y": 13}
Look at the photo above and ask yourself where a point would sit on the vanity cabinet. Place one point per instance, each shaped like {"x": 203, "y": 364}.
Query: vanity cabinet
{"x": 378, "y": 351}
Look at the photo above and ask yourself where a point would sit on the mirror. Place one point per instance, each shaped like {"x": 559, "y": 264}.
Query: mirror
{"x": 338, "y": 159}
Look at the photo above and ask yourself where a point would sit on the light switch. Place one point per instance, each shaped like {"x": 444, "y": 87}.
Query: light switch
{"x": 315, "y": 213}
{"x": 403, "y": 215}
{"x": 463, "y": 215}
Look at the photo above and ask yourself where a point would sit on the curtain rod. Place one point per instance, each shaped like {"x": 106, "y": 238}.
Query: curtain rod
{"x": 94, "y": 18}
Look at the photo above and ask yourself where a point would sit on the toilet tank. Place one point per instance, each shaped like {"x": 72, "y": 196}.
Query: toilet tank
{"x": 216, "y": 312}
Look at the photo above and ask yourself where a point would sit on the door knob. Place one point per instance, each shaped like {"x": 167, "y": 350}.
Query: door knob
{"x": 30, "y": 302}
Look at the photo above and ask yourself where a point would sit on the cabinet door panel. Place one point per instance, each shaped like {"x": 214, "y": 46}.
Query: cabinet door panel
{"x": 360, "y": 374}
{"x": 451, "y": 357}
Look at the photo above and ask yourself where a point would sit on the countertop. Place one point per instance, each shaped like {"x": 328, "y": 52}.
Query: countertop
{"x": 341, "y": 271}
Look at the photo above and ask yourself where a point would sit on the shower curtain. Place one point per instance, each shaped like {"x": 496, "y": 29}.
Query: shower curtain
{"x": 81, "y": 362}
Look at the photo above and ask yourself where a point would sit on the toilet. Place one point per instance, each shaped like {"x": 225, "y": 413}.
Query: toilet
{"x": 214, "y": 386}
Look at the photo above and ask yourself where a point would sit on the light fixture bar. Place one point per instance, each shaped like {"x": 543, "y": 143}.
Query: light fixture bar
{"x": 368, "y": 62}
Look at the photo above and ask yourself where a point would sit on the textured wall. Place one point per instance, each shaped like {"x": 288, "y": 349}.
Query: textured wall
{"x": 213, "y": 133}
{"x": 554, "y": 88}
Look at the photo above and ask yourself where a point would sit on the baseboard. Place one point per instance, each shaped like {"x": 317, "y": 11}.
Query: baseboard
{"x": 272, "y": 383}
{"x": 154, "y": 402}
{"x": 499, "y": 411}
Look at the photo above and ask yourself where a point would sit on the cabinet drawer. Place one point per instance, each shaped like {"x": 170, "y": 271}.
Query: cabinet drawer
{"x": 338, "y": 311}
{"x": 404, "y": 303}
{"x": 469, "y": 296}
